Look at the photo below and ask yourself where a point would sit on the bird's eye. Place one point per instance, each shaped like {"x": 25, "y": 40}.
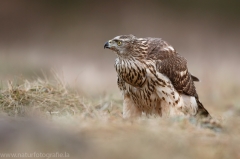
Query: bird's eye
{"x": 119, "y": 43}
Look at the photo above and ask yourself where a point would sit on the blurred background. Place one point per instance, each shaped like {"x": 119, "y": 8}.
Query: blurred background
{"x": 69, "y": 35}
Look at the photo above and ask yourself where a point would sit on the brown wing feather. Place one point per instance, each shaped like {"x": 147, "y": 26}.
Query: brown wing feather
{"x": 194, "y": 78}
{"x": 175, "y": 68}
{"x": 158, "y": 50}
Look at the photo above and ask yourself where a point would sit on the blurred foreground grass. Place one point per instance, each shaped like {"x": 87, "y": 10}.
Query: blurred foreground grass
{"x": 45, "y": 116}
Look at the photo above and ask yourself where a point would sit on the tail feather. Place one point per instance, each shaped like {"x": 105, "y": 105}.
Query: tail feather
{"x": 202, "y": 112}
{"x": 205, "y": 120}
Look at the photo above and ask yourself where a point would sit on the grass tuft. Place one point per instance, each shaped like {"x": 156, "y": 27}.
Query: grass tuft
{"x": 48, "y": 96}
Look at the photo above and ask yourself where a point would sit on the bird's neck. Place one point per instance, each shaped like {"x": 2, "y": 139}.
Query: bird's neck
{"x": 132, "y": 56}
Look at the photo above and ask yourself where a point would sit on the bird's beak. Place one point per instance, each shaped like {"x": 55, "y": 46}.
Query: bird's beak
{"x": 106, "y": 45}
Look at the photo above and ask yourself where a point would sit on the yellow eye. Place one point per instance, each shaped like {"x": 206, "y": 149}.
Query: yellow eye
{"x": 119, "y": 43}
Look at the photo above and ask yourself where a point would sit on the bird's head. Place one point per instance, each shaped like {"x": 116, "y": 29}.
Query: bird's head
{"x": 122, "y": 44}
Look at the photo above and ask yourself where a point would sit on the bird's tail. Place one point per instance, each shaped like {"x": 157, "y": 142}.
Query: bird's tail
{"x": 202, "y": 112}
{"x": 205, "y": 119}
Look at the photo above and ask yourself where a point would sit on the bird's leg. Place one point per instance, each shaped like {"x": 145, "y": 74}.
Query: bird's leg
{"x": 130, "y": 110}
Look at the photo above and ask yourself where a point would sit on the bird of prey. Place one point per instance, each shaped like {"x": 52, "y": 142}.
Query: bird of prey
{"x": 154, "y": 78}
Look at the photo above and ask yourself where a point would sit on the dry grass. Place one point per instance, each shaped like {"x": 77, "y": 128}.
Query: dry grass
{"x": 42, "y": 95}
{"x": 49, "y": 117}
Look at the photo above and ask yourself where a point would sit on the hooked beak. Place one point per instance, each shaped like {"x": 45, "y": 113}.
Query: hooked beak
{"x": 106, "y": 45}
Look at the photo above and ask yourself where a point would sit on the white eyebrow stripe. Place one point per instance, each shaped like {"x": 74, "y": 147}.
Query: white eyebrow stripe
{"x": 118, "y": 38}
